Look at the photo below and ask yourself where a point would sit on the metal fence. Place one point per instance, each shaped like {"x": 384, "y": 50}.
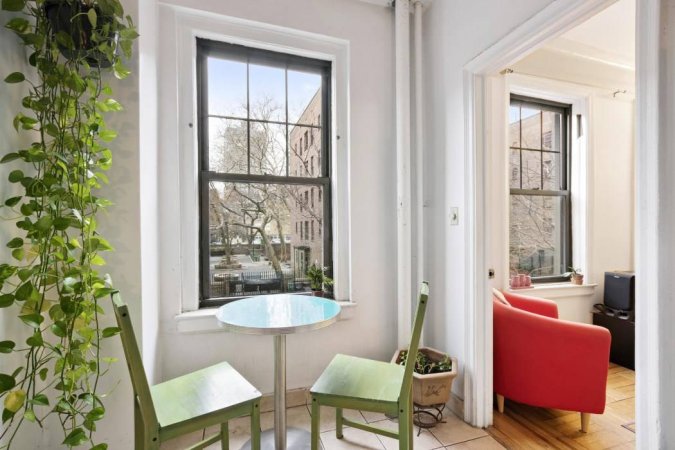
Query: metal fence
{"x": 255, "y": 283}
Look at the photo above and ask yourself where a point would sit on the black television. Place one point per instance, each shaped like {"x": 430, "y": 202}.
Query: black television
{"x": 620, "y": 290}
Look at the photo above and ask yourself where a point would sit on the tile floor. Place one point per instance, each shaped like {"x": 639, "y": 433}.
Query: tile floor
{"x": 453, "y": 434}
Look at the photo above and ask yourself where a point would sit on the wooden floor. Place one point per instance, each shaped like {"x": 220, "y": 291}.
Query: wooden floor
{"x": 526, "y": 427}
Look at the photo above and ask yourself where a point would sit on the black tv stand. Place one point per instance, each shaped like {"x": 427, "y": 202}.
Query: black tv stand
{"x": 622, "y": 351}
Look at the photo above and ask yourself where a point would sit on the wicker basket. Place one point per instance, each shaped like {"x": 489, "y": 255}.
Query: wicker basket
{"x": 434, "y": 388}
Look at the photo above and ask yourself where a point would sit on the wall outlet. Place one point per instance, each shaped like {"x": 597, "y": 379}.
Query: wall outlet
{"x": 454, "y": 215}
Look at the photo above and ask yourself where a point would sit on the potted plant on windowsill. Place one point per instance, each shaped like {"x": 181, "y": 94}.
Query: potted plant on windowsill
{"x": 433, "y": 375}
{"x": 575, "y": 276}
{"x": 318, "y": 280}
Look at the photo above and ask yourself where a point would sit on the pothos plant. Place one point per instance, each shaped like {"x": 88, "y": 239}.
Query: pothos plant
{"x": 53, "y": 281}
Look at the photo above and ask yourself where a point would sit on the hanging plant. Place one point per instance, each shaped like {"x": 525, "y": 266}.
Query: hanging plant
{"x": 53, "y": 281}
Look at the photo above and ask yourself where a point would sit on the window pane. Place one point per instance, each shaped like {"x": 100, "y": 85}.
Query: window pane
{"x": 305, "y": 152}
{"x": 304, "y": 97}
{"x": 227, "y": 87}
{"x": 514, "y": 125}
{"x": 514, "y": 169}
{"x": 228, "y": 146}
{"x": 531, "y": 169}
{"x": 531, "y": 127}
{"x": 268, "y": 148}
{"x": 535, "y": 235}
{"x": 552, "y": 171}
{"x": 268, "y": 93}
{"x": 552, "y": 131}
{"x": 262, "y": 238}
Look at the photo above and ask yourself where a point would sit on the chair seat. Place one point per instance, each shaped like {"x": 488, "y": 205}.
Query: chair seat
{"x": 201, "y": 393}
{"x": 349, "y": 377}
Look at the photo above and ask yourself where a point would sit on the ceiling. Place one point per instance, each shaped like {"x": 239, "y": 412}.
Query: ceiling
{"x": 608, "y": 36}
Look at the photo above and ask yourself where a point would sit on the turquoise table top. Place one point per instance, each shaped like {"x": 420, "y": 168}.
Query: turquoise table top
{"x": 278, "y": 314}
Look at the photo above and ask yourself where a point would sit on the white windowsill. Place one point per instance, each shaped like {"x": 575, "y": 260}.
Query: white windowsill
{"x": 557, "y": 290}
{"x": 204, "y": 320}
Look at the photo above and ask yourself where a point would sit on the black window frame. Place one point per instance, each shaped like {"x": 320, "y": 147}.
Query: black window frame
{"x": 209, "y": 48}
{"x": 565, "y": 176}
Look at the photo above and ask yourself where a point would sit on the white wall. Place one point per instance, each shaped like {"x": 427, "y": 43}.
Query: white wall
{"x": 371, "y": 332}
{"x": 455, "y": 32}
{"x": 611, "y": 176}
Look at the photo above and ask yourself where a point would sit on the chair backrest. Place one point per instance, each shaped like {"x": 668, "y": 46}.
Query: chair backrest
{"x": 139, "y": 380}
{"x": 414, "y": 341}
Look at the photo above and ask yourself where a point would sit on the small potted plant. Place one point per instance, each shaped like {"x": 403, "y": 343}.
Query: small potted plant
{"x": 575, "y": 275}
{"x": 433, "y": 375}
{"x": 318, "y": 279}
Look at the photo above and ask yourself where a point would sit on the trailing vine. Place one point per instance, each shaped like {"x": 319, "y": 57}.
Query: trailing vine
{"x": 53, "y": 281}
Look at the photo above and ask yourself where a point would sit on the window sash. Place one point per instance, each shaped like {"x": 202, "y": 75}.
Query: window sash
{"x": 565, "y": 177}
{"x": 208, "y": 48}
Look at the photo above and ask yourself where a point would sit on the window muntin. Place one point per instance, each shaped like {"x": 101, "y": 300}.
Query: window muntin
{"x": 540, "y": 212}
{"x": 257, "y": 111}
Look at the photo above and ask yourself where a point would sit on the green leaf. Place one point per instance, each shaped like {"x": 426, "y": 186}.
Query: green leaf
{"x": 97, "y": 260}
{"x": 15, "y": 77}
{"x": 75, "y": 438}
{"x": 9, "y": 157}
{"x": 110, "y": 331}
{"x": 15, "y": 400}
{"x": 44, "y": 223}
{"x": 7, "y": 382}
{"x": 120, "y": 71}
{"x": 6, "y": 300}
{"x": 61, "y": 223}
{"x": 7, "y": 346}
{"x": 29, "y": 415}
{"x": 92, "y": 16}
{"x": 107, "y": 135}
{"x": 12, "y": 201}
{"x": 6, "y": 415}
{"x": 32, "y": 320}
{"x": 43, "y": 373}
{"x": 99, "y": 447}
{"x": 15, "y": 176}
{"x": 40, "y": 400}
{"x": 59, "y": 329}
{"x": 24, "y": 291}
{"x": 13, "y": 5}
{"x": 15, "y": 243}
{"x": 18, "y": 254}
{"x": 35, "y": 340}
{"x": 18, "y": 24}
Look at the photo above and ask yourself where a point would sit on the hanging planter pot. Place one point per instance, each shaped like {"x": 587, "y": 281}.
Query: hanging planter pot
{"x": 82, "y": 31}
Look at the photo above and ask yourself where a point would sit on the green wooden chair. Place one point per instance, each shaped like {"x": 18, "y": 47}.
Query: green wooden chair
{"x": 367, "y": 385}
{"x": 192, "y": 402}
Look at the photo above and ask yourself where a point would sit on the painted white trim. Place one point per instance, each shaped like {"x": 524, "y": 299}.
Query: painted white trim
{"x": 549, "y": 23}
{"x": 180, "y": 27}
{"x": 649, "y": 295}
{"x": 403, "y": 173}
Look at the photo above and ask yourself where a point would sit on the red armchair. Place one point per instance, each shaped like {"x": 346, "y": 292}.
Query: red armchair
{"x": 542, "y": 361}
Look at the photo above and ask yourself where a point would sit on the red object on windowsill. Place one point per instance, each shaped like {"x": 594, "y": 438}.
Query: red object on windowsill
{"x": 542, "y": 361}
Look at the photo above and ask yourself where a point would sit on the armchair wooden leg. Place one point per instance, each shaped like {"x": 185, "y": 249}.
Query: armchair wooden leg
{"x": 585, "y": 421}
{"x": 316, "y": 408}
{"x": 225, "y": 436}
{"x": 338, "y": 423}
{"x": 500, "y": 403}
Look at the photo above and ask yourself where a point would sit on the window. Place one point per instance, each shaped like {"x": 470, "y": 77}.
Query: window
{"x": 256, "y": 111}
{"x": 540, "y": 241}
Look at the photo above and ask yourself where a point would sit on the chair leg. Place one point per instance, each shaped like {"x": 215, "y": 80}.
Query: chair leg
{"x": 500, "y": 403}
{"x": 255, "y": 426}
{"x": 585, "y": 421}
{"x": 142, "y": 440}
{"x": 316, "y": 408}
{"x": 225, "y": 436}
{"x": 338, "y": 423}
{"x": 405, "y": 430}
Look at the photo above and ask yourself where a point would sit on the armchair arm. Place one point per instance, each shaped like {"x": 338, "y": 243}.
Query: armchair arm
{"x": 535, "y": 305}
{"x": 548, "y": 362}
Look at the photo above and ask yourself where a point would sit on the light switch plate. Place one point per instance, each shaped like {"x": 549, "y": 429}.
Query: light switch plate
{"x": 454, "y": 215}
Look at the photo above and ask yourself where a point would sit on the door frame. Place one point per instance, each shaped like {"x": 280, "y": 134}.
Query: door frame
{"x": 484, "y": 127}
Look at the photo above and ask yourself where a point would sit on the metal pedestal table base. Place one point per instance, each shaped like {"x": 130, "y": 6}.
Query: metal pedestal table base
{"x": 296, "y": 439}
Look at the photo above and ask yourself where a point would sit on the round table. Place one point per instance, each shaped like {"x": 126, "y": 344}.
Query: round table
{"x": 279, "y": 315}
